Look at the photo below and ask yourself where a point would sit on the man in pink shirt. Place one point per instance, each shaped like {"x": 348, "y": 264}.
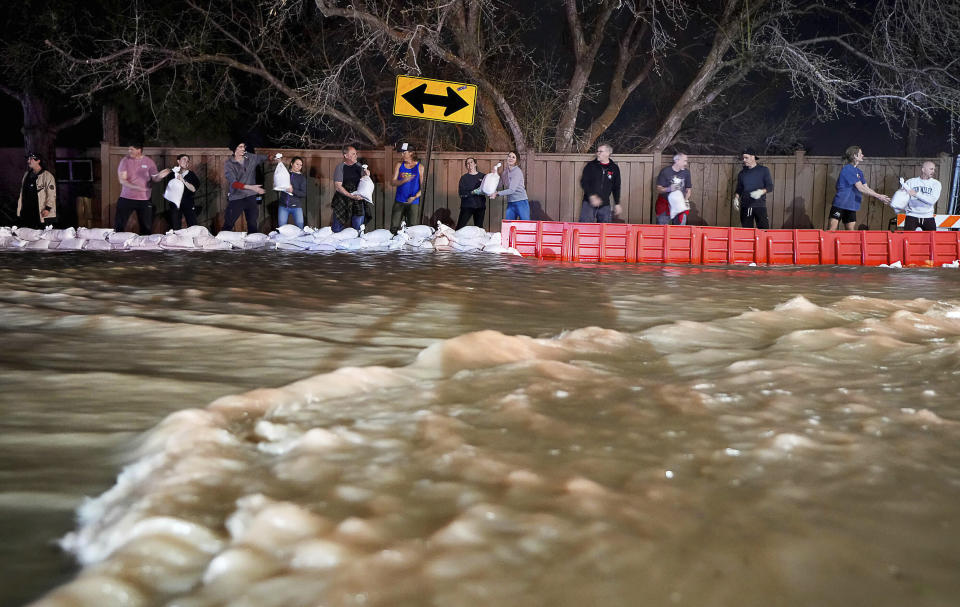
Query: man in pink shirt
{"x": 136, "y": 172}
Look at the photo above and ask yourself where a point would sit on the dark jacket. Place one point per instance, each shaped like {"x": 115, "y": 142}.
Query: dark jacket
{"x": 601, "y": 179}
{"x": 299, "y": 196}
{"x": 468, "y": 200}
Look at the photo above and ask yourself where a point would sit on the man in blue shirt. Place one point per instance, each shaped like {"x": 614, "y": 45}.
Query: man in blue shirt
{"x": 851, "y": 186}
{"x": 753, "y": 184}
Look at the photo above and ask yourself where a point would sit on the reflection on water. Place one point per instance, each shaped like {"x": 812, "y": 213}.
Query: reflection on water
{"x": 454, "y": 430}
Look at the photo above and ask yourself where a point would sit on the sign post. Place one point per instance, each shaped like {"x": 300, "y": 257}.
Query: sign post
{"x": 437, "y": 101}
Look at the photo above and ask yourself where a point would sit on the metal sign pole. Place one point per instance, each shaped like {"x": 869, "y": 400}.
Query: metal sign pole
{"x": 426, "y": 169}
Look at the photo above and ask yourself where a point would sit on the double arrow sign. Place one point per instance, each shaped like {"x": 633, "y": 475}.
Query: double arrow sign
{"x": 435, "y": 100}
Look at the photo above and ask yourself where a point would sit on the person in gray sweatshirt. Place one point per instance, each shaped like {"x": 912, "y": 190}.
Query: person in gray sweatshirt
{"x": 244, "y": 194}
{"x": 518, "y": 207}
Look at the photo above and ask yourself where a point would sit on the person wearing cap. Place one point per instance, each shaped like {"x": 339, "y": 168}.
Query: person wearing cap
{"x": 349, "y": 209}
{"x": 753, "y": 184}
{"x": 851, "y": 186}
{"x": 136, "y": 173}
{"x": 37, "y": 205}
{"x": 600, "y": 180}
{"x": 674, "y": 178}
{"x": 924, "y": 191}
{"x": 408, "y": 179}
{"x": 240, "y": 172}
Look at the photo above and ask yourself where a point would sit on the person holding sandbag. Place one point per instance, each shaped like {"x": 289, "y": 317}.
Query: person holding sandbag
{"x": 293, "y": 197}
{"x": 518, "y": 207}
{"x": 473, "y": 204}
{"x": 184, "y": 182}
{"x": 349, "y": 208}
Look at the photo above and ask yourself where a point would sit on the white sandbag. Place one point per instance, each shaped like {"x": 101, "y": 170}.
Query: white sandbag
{"x": 28, "y": 234}
{"x": 324, "y": 231}
{"x": 365, "y": 187}
{"x": 264, "y": 245}
{"x": 490, "y": 182}
{"x": 5, "y": 231}
{"x": 470, "y": 245}
{"x": 899, "y": 201}
{"x": 234, "y": 238}
{"x": 380, "y": 235}
{"x": 471, "y": 233}
{"x": 193, "y": 231}
{"x": 419, "y": 232}
{"x": 98, "y": 245}
{"x": 290, "y": 231}
{"x": 58, "y": 235}
{"x": 9, "y": 241}
{"x": 174, "y": 189}
{"x": 346, "y": 234}
{"x": 211, "y": 243}
{"x": 94, "y": 233}
{"x": 323, "y": 246}
{"x": 150, "y": 242}
{"x": 41, "y": 244}
{"x": 678, "y": 204}
{"x": 177, "y": 241}
{"x": 494, "y": 248}
{"x": 425, "y": 245}
{"x": 256, "y": 238}
{"x": 281, "y": 176}
{"x": 72, "y": 244}
{"x": 120, "y": 238}
{"x": 350, "y": 244}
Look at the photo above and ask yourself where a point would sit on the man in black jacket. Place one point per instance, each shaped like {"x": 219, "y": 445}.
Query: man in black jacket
{"x": 754, "y": 181}
{"x": 600, "y": 179}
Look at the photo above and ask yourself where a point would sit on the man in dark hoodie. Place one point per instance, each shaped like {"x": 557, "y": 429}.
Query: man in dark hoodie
{"x": 240, "y": 172}
{"x": 753, "y": 184}
{"x": 600, "y": 179}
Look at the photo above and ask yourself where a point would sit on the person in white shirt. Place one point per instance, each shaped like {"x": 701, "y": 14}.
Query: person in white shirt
{"x": 924, "y": 191}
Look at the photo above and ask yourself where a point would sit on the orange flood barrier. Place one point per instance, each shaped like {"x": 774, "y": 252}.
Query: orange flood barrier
{"x": 631, "y": 243}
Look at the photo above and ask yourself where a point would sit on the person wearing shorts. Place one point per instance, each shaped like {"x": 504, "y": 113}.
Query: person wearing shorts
{"x": 851, "y": 186}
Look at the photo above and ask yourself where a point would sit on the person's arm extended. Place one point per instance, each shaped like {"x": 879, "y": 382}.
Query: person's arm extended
{"x": 865, "y": 189}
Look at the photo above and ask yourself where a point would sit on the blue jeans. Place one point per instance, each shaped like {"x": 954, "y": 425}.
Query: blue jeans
{"x": 519, "y": 209}
{"x": 592, "y": 214}
{"x": 355, "y": 222}
{"x": 285, "y": 212}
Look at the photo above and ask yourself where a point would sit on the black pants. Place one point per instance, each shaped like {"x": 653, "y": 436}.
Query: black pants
{"x": 401, "y": 212}
{"x": 248, "y": 207}
{"x": 749, "y": 215}
{"x": 143, "y": 209}
{"x": 185, "y": 210}
{"x": 927, "y": 224}
{"x": 467, "y": 214}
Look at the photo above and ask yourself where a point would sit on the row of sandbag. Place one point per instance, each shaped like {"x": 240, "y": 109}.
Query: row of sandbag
{"x": 287, "y": 237}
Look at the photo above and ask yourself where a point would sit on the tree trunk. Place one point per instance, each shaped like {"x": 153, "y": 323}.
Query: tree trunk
{"x": 111, "y": 125}
{"x": 39, "y": 136}
{"x": 913, "y": 133}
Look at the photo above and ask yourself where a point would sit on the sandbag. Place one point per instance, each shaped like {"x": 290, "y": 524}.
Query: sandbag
{"x": 41, "y": 243}
{"x": 211, "y": 243}
{"x": 94, "y": 233}
{"x": 71, "y": 244}
{"x": 177, "y": 241}
{"x": 120, "y": 238}
{"x": 899, "y": 201}
{"x": 29, "y": 234}
{"x": 490, "y": 182}
{"x": 365, "y": 187}
{"x": 678, "y": 204}
{"x": 98, "y": 245}
{"x": 174, "y": 189}
{"x": 419, "y": 232}
{"x": 346, "y": 234}
{"x": 58, "y": 235}
{"x": 234, "y": 238}
{"x": 471, "y": 233}
{"x": 378, "y": 236}
{"x": 290, "y": 231}
{"x": 193, "y": 231}
{"x": 281, "y": 176}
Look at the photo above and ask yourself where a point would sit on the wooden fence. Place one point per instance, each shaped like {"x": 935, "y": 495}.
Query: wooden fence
{"x": 804, "y": 186}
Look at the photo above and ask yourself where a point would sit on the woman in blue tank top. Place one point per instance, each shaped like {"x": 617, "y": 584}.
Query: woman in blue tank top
{"x": 408, "y": 179}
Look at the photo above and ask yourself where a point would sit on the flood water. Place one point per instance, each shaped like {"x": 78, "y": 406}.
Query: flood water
{"x": 405, "y": 429}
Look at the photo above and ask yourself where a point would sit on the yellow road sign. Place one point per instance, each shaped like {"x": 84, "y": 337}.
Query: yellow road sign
{"x": 435, "y": 100}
